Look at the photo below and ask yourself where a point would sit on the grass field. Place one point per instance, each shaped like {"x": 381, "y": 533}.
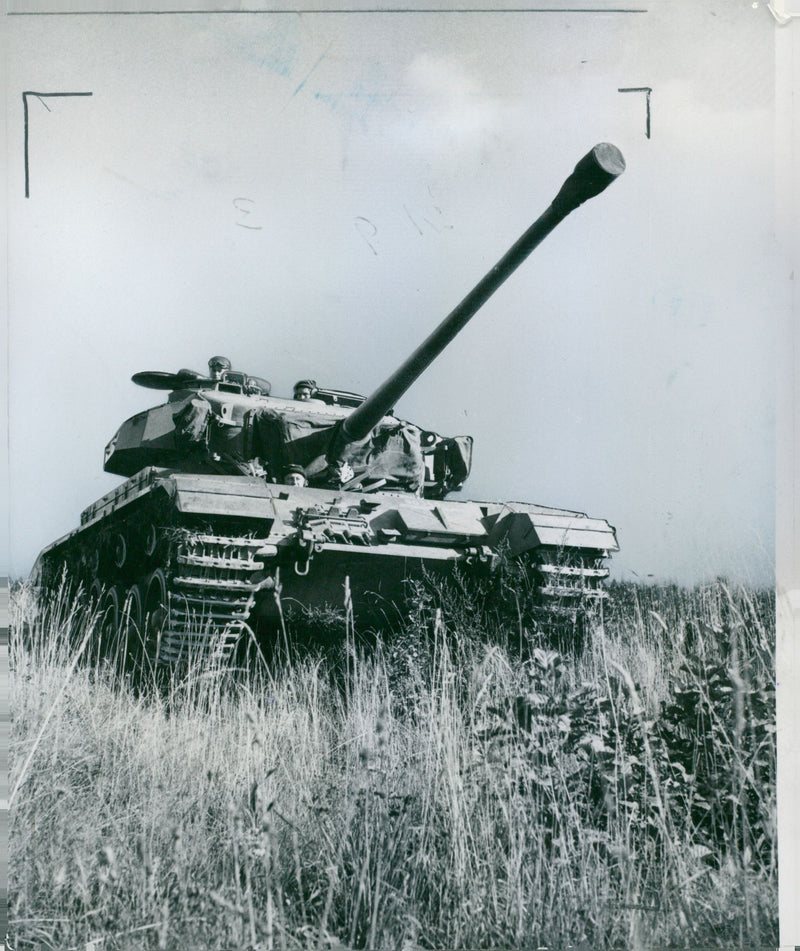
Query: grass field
{"x": 461, "y": 785}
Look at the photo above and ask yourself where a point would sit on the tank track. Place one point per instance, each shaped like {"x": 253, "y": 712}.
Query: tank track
{"x": 213, "y": 587}
{"x": 185, "y": 594}
{"x": 569, "y": 587}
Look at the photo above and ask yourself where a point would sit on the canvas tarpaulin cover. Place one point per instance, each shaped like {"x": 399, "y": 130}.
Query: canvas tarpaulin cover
{"x": 391, "y": 452}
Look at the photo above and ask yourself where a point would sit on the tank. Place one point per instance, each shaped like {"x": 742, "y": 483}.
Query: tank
{"x": 238, "y": 505}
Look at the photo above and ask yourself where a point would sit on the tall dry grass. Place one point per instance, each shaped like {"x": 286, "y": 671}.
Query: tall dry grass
{"x": 441, "y": 789}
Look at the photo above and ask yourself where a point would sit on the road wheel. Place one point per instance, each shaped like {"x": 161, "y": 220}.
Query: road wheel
{"x": 154, "y": 613}
{"x": 95, "y": 593}
{"x": 90, "y": 615}
{"x": 131, "y": 642}
{"x": 108, "y": 623}
{"x": 91, "y": 562}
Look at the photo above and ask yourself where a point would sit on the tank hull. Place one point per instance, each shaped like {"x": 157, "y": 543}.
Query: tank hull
{"x": 193, "y": 563}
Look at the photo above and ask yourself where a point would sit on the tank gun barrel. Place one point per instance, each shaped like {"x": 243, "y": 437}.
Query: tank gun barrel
{"x": 593, "y": 173}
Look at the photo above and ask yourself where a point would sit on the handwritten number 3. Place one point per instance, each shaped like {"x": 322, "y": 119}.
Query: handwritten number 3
{"x": 245, "y": 207}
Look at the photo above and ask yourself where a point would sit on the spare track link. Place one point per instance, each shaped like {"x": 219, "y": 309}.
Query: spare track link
{"x": 215, "y": 582}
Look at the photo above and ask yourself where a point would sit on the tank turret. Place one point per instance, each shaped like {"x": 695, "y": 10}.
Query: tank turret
{"x": 234, "y": 496}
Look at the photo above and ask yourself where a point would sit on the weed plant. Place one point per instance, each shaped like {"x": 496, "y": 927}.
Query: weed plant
{"x": 461, "y": 784}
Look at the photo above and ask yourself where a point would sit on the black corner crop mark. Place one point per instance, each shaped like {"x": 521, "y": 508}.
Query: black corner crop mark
{"x": 646, "y": 90}
{"x": 41, "y": 96}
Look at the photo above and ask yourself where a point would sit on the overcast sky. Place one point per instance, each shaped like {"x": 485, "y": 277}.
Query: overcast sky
{"x": 311, "y": 194}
